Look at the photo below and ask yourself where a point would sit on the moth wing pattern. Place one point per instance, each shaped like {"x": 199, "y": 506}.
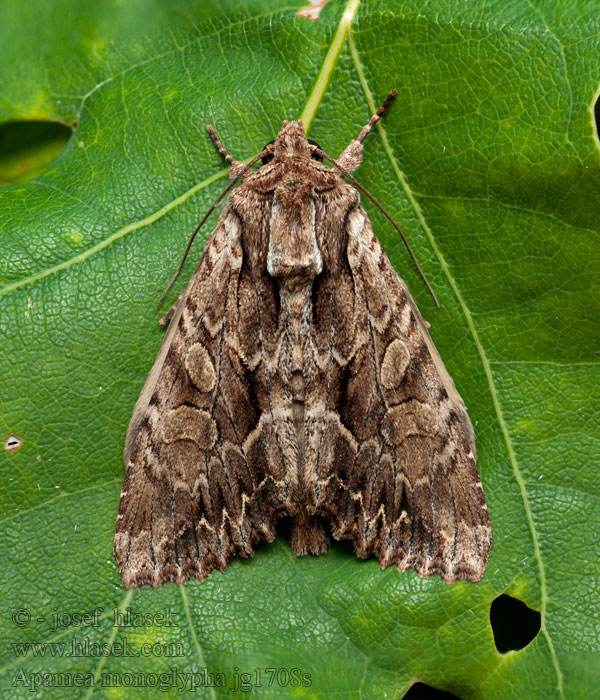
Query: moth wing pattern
{"x": 297, "y": 378}
{"x": 396, "y": 466}
{"x": 196, "y": 489}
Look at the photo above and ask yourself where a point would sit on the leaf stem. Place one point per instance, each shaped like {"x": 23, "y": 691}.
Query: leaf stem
{"x": 326, "y": 71}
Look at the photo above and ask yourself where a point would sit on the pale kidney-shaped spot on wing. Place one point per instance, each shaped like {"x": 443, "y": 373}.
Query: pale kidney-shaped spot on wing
{"x": 200, "y": 368}
{"x": 189, "y": 423}
{"x": 410, "y": 418}
{"x": 181, "y": 461}
{"x": 394, "y": 364}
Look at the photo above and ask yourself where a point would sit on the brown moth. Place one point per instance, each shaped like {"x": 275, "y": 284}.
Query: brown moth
{"x": 297, "y": 378}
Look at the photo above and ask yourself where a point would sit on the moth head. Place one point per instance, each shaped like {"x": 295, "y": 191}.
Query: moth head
{"x": 291, "y": 141}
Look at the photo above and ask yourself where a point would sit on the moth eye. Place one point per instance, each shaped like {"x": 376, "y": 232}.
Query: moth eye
{"x": 313, "y": 155}
{"x": 269, "y": 156}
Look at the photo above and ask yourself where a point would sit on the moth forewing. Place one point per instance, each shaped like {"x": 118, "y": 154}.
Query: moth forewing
{"x": 429, "y": 512}
{"x": 446, "y": 379}
{"x": 141, "y": 406}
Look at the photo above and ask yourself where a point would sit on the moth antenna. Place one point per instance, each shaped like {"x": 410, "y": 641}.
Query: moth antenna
{"x": 388, "y": 216}
{"x": 377, "y": 116}
{"x": 238, "y": 176}
{"x": 219, "y": 144}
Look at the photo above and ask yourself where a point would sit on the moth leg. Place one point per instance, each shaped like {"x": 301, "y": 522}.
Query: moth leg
{"x": 351, "y": 156}
{"x": 236, "y": 165}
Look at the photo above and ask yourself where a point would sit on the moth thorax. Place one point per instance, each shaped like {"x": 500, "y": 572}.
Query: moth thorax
{"x": 294, "y": 257}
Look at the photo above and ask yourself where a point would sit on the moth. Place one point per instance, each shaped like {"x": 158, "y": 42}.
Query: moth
{"x": 298, "y": 380}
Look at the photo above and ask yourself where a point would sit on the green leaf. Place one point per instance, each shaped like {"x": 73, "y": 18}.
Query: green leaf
{"x": 489, "y": 160}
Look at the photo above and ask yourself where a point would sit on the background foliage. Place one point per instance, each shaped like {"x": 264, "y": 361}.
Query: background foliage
{"x": 489, "y": 159}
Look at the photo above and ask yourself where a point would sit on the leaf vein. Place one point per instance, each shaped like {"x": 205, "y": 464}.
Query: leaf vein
{"x": 484, "y": 360}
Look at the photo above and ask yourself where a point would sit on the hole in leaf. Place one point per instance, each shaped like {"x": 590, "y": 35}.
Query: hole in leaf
{"x": 422, "y": 691}
{"x": 597, "y": 116}
{"x": 29, "y": 148}
{"x": 12, "y": 443}
{"x": 514, "y": 624}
